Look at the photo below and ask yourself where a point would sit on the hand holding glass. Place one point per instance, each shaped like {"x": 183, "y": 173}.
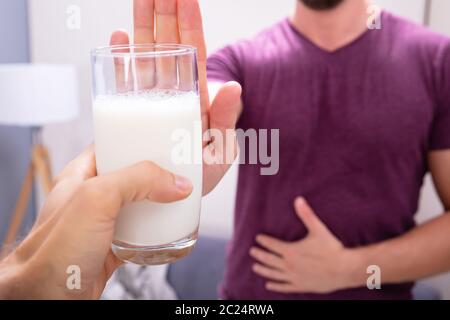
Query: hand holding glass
{"x": 144, "y": 96}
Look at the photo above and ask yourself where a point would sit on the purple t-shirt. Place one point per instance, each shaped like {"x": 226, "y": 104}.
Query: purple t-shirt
{"x": 355, "y": 129}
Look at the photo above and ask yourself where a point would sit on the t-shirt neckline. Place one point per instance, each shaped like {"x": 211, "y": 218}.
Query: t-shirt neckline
{"x": 342, "y": 48}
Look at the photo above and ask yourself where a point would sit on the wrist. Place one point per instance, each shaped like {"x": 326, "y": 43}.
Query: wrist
{"x": 355, "y": 268}
{"x": 23, "y": 280}
{"x": 10, "y": 278}
{"x": 34, "y": 279}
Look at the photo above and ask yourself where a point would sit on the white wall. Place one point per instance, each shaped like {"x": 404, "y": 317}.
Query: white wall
{"x": 225, "y": 21}
{"x": 440, "y": 21}
{"x": 413, "y": 9}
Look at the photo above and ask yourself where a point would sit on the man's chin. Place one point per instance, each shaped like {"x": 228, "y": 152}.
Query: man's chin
{"x": 321, "y": 4}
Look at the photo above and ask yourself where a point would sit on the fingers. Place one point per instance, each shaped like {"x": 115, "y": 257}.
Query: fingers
{"x": 119, "y": 37}
{"x": 268, "y": 273}
{"x": 170, "y": 21}
{"x": 156, "y": 20}
{"x": 81, "y": 168}
{"x": 144, "y": 21}
{"x": 273, "y": 244}
{"x": 281, "y": 287}
{"x": 191, "y": 33}
{"x": 121, "y": 67}
{"x": 308, "y": 217}
{"x": 166, "y": 32}
{"x": 144, "y": 33}
{"x": 191, "y": 27}
{"x": 267, "y": 258}
{"x": 166, "y": 21}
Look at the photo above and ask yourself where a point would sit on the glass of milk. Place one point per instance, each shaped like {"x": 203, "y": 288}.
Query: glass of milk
{"x": 146, "y": 106}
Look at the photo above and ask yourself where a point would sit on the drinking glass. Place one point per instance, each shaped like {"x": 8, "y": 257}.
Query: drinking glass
{"x": 146, "y": 106}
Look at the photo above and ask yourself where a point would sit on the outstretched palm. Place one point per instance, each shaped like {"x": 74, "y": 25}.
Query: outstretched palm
{"x": 180, "y": 21}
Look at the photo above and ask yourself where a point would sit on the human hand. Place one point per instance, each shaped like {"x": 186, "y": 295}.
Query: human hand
{"x": 76, "y": 226}
{"x": 318, "y": 263}
{"x": 180, "y": 22}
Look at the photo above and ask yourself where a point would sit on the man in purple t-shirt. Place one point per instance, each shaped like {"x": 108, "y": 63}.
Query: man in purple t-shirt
{"x": 362, "y": 116}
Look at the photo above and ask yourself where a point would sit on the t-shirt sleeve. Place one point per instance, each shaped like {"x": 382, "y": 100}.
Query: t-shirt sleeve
{"x": 440, "y": 134}
{"x": 226, "y": 65}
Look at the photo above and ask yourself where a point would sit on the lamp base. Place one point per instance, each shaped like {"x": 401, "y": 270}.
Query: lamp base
{"x": 39, "y": 168}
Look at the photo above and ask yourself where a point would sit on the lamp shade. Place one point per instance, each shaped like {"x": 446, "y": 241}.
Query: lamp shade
{"x": 36, "y": 95}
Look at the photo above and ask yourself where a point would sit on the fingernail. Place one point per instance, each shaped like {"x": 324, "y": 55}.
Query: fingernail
{"x": 182, "y": 183}
{"x": 300, "y": 200}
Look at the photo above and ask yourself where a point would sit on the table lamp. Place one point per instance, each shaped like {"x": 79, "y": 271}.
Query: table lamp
{"x": 34, "y": 95}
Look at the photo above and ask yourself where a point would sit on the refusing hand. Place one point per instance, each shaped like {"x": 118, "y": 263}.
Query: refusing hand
{"x": 76, "y": 226}
{"x": 180, "y": 22}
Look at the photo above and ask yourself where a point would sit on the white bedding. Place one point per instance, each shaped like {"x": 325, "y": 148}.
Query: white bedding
{"x": 133, "y": 282}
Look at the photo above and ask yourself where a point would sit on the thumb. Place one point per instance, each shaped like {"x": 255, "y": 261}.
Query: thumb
{"x": 225, "y": 107}
{"x": 309, "y": 218}
{"x": 221, "y": 149}
{"x": 98, "y": 201}
{"x": 142, "y": 181}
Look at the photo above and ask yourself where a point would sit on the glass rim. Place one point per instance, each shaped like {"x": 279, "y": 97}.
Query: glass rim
{"x": 168, "y": 50}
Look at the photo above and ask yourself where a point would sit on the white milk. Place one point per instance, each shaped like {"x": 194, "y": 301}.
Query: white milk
{"x": 135, "y": 127}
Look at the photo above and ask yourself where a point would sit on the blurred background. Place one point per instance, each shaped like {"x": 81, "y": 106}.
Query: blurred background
{"x": 64, "y": 31}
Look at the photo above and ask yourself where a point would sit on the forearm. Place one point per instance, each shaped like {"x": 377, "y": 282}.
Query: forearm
{"x": 422, "y": 252}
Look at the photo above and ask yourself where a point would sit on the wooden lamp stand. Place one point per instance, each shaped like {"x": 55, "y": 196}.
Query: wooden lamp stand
{"x": 39, "y": 169}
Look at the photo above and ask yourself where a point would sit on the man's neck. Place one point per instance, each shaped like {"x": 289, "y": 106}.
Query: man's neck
{"x": 334, "y": 28}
